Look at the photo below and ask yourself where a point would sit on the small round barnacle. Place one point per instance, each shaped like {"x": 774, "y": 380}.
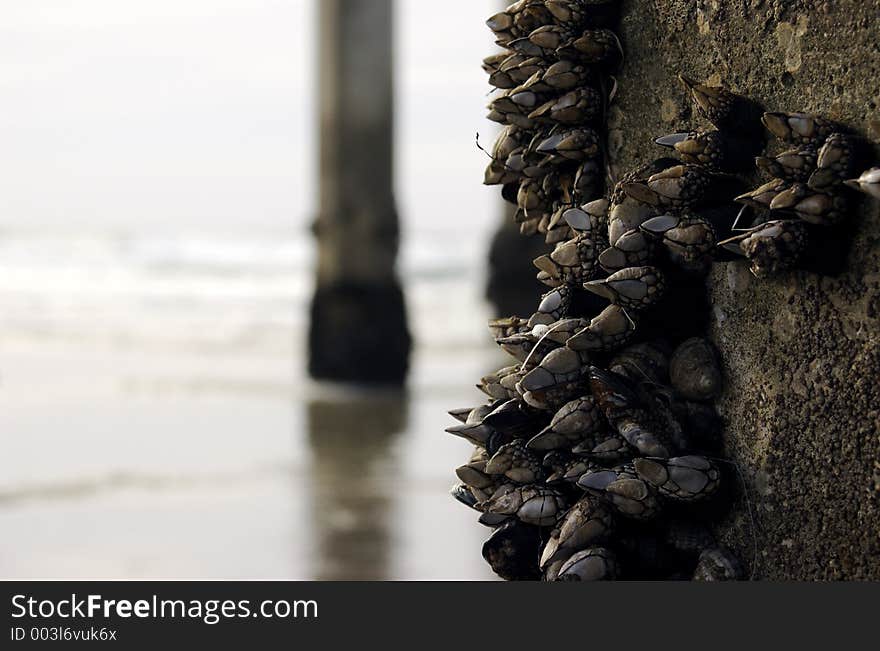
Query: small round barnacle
{"x": 519, "y": 68}
{"x": 648, "y": 439}
{"x": 632, "y": 249}
{"x": 597, "y": 210}
{"x": 492, "y": 67}
{"x": 506, "y": 326}
{"x": 708, "y": 148}
{"x": 613, "y": 393}
{"x": 718, "y": 564}
{"x": 497, "y": 174}
{"x": 573, "y": 422}
{"x": 595, "y": 46}
{"x": 516, "y": 462}
{"x": 624, "y": 409}
{"x": 799, "y": 128}
{"x": 531, "y": 197}
{"x": 556, "y": 302}
{"x": 560, "y": 331}
{"x": 571, "y": 262}
{"x": 464, "y": 494}
{"x": 626, "y": 214}
{"x": 688, "y": 239}
{"x": 515, "y": 418}
{"x": 569, "y": 13}
{"x": 762, "y": 196}
{"x": 834, "y": 164}
{"x": 509, "y": 140}
{"x": 557, "y": 230}
{"x": 517, "y": 20}
{"x": 578, "y": 220}
{"x": 642, "y": 362}
{"x": 527, "y": 348}
{"x": 555, "y": 380}
{"x": 685, "y": 478}
{"x": 771, "y": 247}
{"x": 461, "y": 414}
{"x": 812, "y": 206}
{"x": 564, "y": 466}
{"x": 576, "y": 144}
{"x": 610, "y": 329}
{"x": 585, "y": 524}
{"x": 587, "y": 185}
{"x": 527, "y": 165}
{"x": 636, "y": 288}
{"x": 566, "y": 75}
{"x": 473, "y": 475}
{"x": 510, "y": 71}
{"x": 533, "y": 504}
{"x": 494, "y": 385}
{"x": 607, "y": 450}
{"x": 694, "y": 370}
{"x": 531, "y": 15}
{"x": 577, "y": 106}
{"x": 513, "y": 550}
{"x": 677, "y": 187}
{"x": 790, "y": 165}
{"x": 500, "y": 22}
{"x": 630, "y": 495}
{"x": 542, "y": 42}
{"x": 592, "y": 564}
{"x": 724, "y": 109}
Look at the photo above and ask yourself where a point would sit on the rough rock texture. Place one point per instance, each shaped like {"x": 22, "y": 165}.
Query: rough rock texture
{"x": 800, "y": 352}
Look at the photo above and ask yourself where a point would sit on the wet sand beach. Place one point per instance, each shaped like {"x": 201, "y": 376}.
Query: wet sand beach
{"x": 192, "y": 456}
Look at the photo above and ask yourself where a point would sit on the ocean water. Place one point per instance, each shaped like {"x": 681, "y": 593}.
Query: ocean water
{"x": 157, "y": 421}
{"x": 155, "y": 416}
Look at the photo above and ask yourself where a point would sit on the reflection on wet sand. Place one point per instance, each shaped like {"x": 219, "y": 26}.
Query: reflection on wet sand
{"x": 353, "y": 483}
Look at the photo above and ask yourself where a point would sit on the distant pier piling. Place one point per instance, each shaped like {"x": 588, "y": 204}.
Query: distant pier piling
{"x": 358, "y": 330}
{"x": 511, "y": 286}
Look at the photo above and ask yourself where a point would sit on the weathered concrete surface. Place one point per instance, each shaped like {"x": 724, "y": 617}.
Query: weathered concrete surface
{"x": 802, "y": 352}
{"x": 358, "y": 328}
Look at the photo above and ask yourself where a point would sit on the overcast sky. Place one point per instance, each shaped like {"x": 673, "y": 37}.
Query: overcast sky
{"x": 190, "y": 113}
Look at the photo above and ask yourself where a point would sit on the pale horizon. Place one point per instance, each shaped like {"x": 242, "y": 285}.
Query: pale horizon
{"x": 174, "y": 115}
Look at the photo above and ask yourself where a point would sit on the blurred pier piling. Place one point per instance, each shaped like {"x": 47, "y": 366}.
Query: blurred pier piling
{"x": 358, "y": 329}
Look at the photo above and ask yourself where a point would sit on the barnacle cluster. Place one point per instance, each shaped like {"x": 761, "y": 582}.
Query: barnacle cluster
{"x": 597, "y": 453}
{"x": 808, "y": 191}
{"x": 605, "y": 419}
{"x": 553, "y": 88}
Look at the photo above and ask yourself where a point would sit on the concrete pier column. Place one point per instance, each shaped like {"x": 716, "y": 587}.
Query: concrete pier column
{"x": 358, "y": 330}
